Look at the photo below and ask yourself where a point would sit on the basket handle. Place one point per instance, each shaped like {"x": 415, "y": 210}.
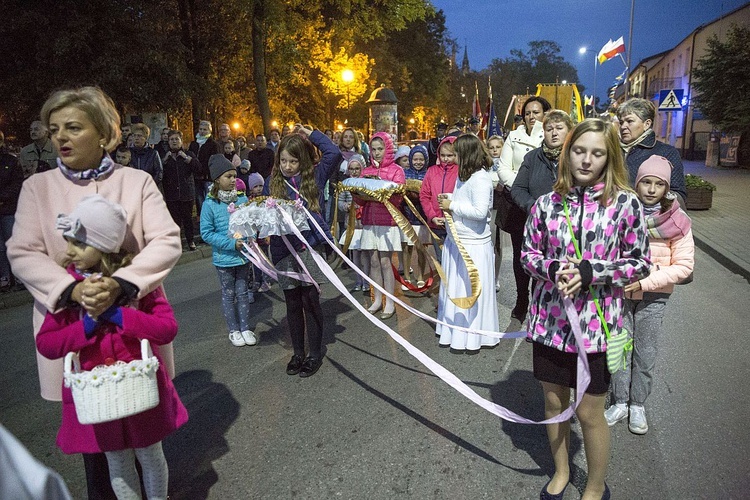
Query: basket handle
{"x": 71, "y": 360}
{"x": 146, "y": 349}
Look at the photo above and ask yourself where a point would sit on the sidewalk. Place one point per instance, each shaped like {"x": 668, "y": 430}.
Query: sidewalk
{"x": 723, "y": 231}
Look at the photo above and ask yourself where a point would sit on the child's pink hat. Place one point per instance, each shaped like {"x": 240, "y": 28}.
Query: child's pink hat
{"x": 97, "y": 222}
{"x": 239, "y": 184}
{"x": 656, "y": 166}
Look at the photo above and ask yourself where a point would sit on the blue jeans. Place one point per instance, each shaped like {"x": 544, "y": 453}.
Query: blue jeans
{"x": 6, "y": 228}
{"x": 235, "y": 297}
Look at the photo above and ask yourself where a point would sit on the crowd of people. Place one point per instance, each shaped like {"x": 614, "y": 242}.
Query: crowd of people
{"x": 593, "y": 211}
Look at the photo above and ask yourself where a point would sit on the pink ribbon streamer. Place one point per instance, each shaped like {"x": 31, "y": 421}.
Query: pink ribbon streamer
{"x": 583, "y": 374}
{"x": 305, "y": 275}
{"x": 251, "y": 251}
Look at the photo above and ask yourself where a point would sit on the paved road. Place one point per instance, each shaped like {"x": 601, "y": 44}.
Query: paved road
{"x": 375, "y": 424}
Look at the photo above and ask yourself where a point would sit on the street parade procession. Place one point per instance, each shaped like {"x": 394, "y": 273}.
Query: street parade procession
{"x": 499, "y": 267}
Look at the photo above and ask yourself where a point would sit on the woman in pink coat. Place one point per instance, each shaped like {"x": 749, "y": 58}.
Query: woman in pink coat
{"x": 84, "y": 125}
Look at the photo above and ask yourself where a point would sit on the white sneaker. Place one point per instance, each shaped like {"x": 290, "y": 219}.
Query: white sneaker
{"x": 236, "y": 339}
{"x": 249, "y": 337}
{"x": 615, "y": 413}
{"x": 637, "y": 423}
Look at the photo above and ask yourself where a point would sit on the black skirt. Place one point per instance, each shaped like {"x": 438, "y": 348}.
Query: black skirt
{"x": 558, "y": 367}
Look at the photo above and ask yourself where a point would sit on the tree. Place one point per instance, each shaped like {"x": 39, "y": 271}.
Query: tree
{"x": 721, "y": 83}
{"x": 522, "y": 71}
{"x": 124, "y": 47}
{"x": 414, "y": 63}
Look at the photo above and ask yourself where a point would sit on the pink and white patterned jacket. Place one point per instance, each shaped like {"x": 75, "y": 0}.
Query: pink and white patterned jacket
{"x": 614, "y": 246}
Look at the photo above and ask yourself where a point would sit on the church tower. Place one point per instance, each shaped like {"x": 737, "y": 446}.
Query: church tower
{"x": 465, "y": 69}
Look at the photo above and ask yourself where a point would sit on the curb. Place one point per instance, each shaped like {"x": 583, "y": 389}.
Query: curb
{"x": 21, "y": 297}
{"x": 721, "y": 258}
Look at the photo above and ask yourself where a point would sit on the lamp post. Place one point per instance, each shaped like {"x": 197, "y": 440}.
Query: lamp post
{"x": 583, "y": 50}
{"x": 347, "y": 76}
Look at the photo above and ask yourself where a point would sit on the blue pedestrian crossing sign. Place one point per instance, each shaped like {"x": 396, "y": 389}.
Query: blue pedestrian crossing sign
{"x": 671, "y": 99}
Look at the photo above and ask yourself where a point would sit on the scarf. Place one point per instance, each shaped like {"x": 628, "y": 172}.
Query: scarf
{"x": 670, "y": 225}
{"x": 104, "y": 168}
{"x": 552, "y": 154}
{"x": 201, "y": 139}
{"x": 227, "y": 196}
{"x": 641, "y": 138}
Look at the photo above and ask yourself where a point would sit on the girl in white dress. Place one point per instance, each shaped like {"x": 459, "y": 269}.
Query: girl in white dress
{"x": 470, "y": 205}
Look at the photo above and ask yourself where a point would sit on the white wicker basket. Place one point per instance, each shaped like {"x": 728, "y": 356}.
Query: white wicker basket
{"x": 111, "y": 392}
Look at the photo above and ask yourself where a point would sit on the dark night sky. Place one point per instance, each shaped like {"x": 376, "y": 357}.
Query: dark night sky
{"x": 491, "y": 28}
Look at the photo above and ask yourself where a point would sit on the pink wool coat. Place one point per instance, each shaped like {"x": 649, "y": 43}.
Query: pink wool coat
{"x": 36, "y": 244}
{"x": 154, "y": 320}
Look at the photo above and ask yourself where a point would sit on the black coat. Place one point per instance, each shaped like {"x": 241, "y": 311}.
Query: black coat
{"x": 11, "y": 178}
{"x": 261, "y": 161}
{"x": 178, "y": 181}
{"x": 204, "y": 153}
{"x": 649, "y": 147}
{"x": 535, "y": 177}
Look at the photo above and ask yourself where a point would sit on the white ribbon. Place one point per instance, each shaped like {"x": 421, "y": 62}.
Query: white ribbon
{"x": 582, "y": 380}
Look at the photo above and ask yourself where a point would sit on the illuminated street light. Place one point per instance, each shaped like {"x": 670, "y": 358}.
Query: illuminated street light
{"x": 347, "y": 76}
{"x": 236, "y": 125}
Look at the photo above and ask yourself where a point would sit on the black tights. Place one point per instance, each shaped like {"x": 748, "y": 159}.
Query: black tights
{"x": 299, "y": 300}
{"x": 522, "y": 279}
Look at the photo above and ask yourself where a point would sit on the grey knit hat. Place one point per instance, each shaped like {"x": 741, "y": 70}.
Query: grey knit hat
{"x": 217, "y": 165}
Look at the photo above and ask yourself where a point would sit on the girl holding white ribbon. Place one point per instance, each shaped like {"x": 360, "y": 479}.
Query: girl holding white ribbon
{"x": 296, "y": 176}
{"x": 469, "y": 204}
{"x": 594, "y": 212}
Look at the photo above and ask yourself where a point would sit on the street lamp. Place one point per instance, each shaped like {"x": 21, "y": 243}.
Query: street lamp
{"x": 347, "y": 76}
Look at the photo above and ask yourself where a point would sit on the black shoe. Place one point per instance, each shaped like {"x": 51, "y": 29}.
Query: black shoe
{"x": 310, "y": 366}
{"x": 295, "y": 365}
{"x": 546, "y": 495}
{"x": 519, "y": 312}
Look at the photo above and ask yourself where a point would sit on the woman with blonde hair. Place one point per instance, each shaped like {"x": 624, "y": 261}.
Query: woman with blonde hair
{"x": 84, "y": 126}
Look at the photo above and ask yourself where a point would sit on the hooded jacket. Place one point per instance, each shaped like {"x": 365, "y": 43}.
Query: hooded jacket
{"x": 440, "y": 178}
{"x": 374, "y": 213}
{"x": 614, "y": 246}
{"x": 411, "y": 173}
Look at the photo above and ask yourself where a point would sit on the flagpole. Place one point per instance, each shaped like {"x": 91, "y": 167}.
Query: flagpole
{"x": 596, "y": 63}
{"x": 630, "y": 48}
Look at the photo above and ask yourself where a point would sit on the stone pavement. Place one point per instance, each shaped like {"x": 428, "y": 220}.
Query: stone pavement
{"x": 723, "y": 232}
